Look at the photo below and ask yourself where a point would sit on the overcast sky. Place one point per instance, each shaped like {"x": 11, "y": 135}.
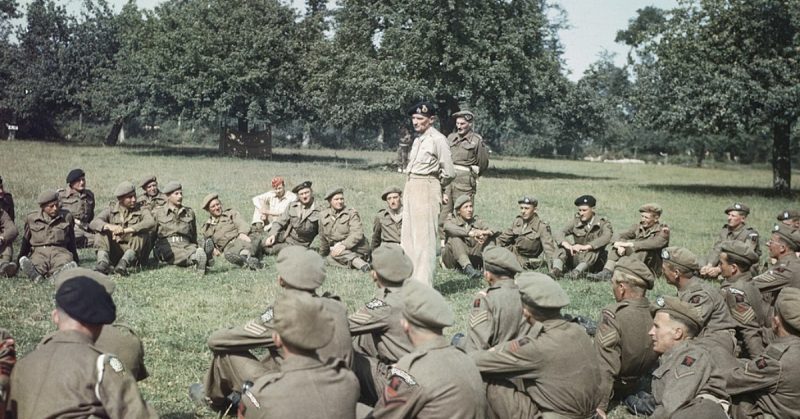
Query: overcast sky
{"x": 594, "y": 24}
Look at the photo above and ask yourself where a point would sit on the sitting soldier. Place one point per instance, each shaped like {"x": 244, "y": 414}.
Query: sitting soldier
{"x": 8, "y": 233}
{"x": 529, "y": 237}
{"x": 79, "y": 201}
{"x": 6, "y": 201}
{"x": 783, "y": 246}
{"x": 123, "y": 229}
{"x": 269, "y": 206}
{"x": 48, "y": 243}
{"x": 465, "y": 238}
{"x": 176, "y": 232}
{"x": 227, "y": 231}
{"x": 297, "y": 226}
{"x": 735, "y": 229}
{"x": 341, "y": 236}
{"x": 389, "y": 221}
{"x": 153, "y": 197}
{"x": 591, "y": 233}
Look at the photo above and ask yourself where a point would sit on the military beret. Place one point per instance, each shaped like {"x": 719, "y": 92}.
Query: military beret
{"x": 739, "y": 251}
{"x": 74, "y": 175}
{"x": 302, "y": 322}
{"x": 300, "y": 187}
{"x": 528, "y": 200}
{"x": 788, "y": 234}
{"x": 585, "y": 200}
{"x": 171, "y": 187}
{"x": 208, "y": 198}
{"x": 678, "y": 310}
{"x": 301, "y": 268}
{"x": 86, "y": 301}
{"x": 390, "y": 190}
{"x": 783, "y": 216}
{"x": 542, "y": 290}
{"x": 147, "y": 180}
{"x": 425, "y": 307}
{"x": 422, "y": 108}
{"x": 47, "y": 197}
{"x": 498, "y": 256}
{"x": 391, "y": 263}
{"x": 467, "y": 115}
{"x": 680, "y": 256}
{"x": 636, "y": 268}
{"x": 788, "y": 306}
{"x": 463, "y": 199}
{"x": 651, "y": 208}
{"x": 333, "y": 191}
{"x": 124, "y": 189}
{"x": 102, "y": 279}
{"x": 738, "y": 206}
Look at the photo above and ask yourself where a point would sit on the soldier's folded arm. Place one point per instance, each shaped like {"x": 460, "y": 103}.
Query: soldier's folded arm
{"x": 356, "y": 233}
{"x": 241, "y": 338}
{"x": 656, "y": 241}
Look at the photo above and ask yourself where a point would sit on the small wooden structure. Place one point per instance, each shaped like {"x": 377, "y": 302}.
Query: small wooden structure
{"x": 256, "y": 145}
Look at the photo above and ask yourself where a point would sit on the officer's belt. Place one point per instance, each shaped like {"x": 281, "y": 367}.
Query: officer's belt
{"x": 428, "y": 176}
{"x": 45, "y": 245}
{"x": 175, "y": 239}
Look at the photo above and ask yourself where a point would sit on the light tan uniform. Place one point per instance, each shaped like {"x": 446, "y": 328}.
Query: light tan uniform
{"x": 224, "y": 232}
{"x": 435, "y": 381}
{"x": 176, "y": 233}
{"x": 744, "y": 302}
{"x": 270, "y": 201}
{"x": 460, "y": 249}
{"x": 769, "y": 384}
{"x": 386, "y": 228}
{"x": 139, "y": 219}
{"x": 81, "y": 206}
{"x": 558, "y": 368}
{"x": 343, "y": 227}
{"x": 297, "y": 226}
{"x": 233, "y": 363}
{"x": 597, "y": 232}
{"x": 304, "y": 387}
{"x": 120, "y": 340}
{"x": 9, "y": 233}
{"x": 64, "y": 378}
{"x": 495, "y": 316}
{"x": 624, "y": 348}
{"x": 528, "y": 240}
{"x": 647, "y": 245}
{"x": 430, "y": 166}
{"x": 49, "y": 241}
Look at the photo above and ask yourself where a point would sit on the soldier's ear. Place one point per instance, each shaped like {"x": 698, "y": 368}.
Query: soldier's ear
{"x": 277, "y": 339}
{"x": 55, "y": 317}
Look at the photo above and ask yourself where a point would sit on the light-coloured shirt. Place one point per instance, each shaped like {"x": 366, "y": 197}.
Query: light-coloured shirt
{"x": 430, "y": 155}
{"x": 271, "y": 201}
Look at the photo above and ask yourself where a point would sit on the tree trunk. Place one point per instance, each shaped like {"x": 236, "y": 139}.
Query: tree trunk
{"x": 306, "y": 136}
{"x": 781, "y": 158}
{"x": 113, "y": 136}
{"x": 241, "y": 124}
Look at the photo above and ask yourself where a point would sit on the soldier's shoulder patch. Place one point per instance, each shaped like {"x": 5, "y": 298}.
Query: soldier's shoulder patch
{"x": 116, "y": 364}
{"x": 405, "y": 376}
{"x": 375, "y": 304}
{"x": 266, "y": 317}
{"x": 519, "y": 343}
{"x": 761, "y": 363}
{"x": 695, "y": 299}
{"x": 736, "y": 291}
{"x": 476, "y": 303}
{"x": 688, "y": 361}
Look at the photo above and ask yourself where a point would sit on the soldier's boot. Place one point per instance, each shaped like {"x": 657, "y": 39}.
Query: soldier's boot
{"x": 64, "y": 267}
{"x": 471, "y": 272}
{"x": 125, "y": 262}
{"x": 601, "y": 276}
{"x": 8, "y": 269}
{"x": 235, "y": 259}
{"x": 578, "y": 272}
{"x": 103, "y": 264}
{"x": 361, "y": 265}
{"x": 557, "y": 269}
{"x": 197, "y": 394}
{"x": 200, "y": 261}
{"x": 208, "y": 248}
{"x": 27, "y": 268}
{"x": 252, "y": 262}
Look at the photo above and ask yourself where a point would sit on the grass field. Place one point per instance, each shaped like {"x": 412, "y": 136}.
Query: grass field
{"x": 173, "y": 311}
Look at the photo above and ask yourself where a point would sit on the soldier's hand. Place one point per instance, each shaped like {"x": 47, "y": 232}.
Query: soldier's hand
{"x": 215, "y": 252}
{"x": 600, "y": 413}
{"x": 8, "y": 356}
{"x": 445, "y": 199}
{"x": 337, "y": 249}
{"x": 244, "y": 237}
{"x": 269, "y": 241}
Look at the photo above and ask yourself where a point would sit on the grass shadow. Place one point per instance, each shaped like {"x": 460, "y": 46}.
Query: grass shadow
{"x": 721, "y": 190}
{"x": 199, "y": 151}
{"x": 178, "y": 415}
{"x": 527, "y": 173}
{"x": 455, "y": 285}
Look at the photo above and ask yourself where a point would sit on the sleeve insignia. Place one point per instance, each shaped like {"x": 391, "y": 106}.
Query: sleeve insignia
{"x": 397, "y": 372}
{"x": 252, "y": 398}
{"x": 518, "y": 343}
{"x": 253, "y": 327}
{"x": 761, "y": 363}
{"x": 360, "y": 317}
{"x": 376, "y": 304}
{"x": 267, "y": 316}
{"x": 688, "y": 361}
{"x": 116, "y": 364}
{"x": 478, "y": 318}
{"x": 609, "y": 313}
{"x": 476, "y": 303}
{"x": 695, "y": 299}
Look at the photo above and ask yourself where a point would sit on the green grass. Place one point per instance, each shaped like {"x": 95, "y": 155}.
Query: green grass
{"x": 173, "y": 311}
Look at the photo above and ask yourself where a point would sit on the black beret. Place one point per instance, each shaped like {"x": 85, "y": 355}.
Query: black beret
{"x": 74, "y": 175}
{"x": 422, "y": 108}
{"x": 86, "y": 301}
{"x": 585, "y": 200}
{"x": 298, "y": 188}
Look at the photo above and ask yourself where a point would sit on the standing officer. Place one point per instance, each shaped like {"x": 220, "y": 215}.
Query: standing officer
{"x": 389, "y": 221}
{"x": 735, "y": 229}
{"x": 782, "y": 246}
{"x": 470, "y": 161}
{"x": 79, "y": 201}
{"x": 378, "y": 335}
{"x": 305, "y": 385}
{"x": 529, "y": 237}
{"x": 496, "y": 312}
{"x": 8, "y": 233}
{"x": 48, "y": 243}
{"x": 152, "y": 198}
{"x": 591, "y": 233}
{"x": 6, "y": 200}
{"x": 623, "y": 346}
{"x": 176, "y": 232}
{"x": 767, "y": 386}
{"x": 123, "y": 229}
{"x": 437, "y": 380}
{"x": 341, "y": 235}
{"x": 430, "y": 168}
{"x": 228, "y": 231}
{"x": 67, "y": 375}
{"x": 271, "y": 205}
{"x": 545, "y": 359}
{"x": 297, "y": 226}
{"x": 644, "y": 241}
{"x": 465, "y": 238}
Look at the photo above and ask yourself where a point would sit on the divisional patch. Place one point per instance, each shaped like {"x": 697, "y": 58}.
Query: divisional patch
{"x": 267, "y": 316}
{"x": 688, "y": 361}
{"x": 761, "y": 363}
{"x": 695, "y": 299}
{"x": 476, "y": 318}
{"x": 375, "y": 304}
{"x": 116, "y": 364}
{"x": 518, "y": 343}
{"x": 476, "y": 303}
{"x": 255, "y": 328}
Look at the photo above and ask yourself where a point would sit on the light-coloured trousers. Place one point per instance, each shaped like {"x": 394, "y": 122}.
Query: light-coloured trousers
{"x": 422, "y": 199}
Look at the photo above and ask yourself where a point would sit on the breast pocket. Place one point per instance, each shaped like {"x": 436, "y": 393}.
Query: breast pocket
{"x": 59, "y": 233}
